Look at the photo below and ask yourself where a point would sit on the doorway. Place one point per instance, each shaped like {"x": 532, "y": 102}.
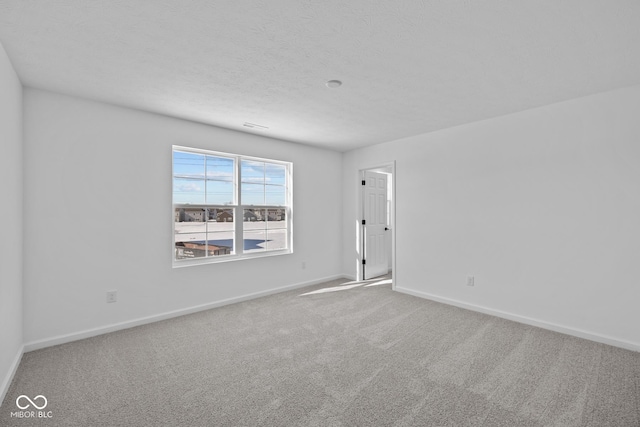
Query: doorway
{"x": 376, "y": 221}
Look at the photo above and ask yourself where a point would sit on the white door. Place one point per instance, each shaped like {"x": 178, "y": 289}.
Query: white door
{"x": 374, "y": 209}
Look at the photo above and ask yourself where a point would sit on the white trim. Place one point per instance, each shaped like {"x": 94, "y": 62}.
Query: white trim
{"x": 228, "y": 258}
{"x": 386, "y": 165}
{"x": 238, "y": 207}
{"x": 604, "y": 339}
{"x": 6, "y": 382}
{"x": 185, "y": 149}
{"x": 88, "y": 333}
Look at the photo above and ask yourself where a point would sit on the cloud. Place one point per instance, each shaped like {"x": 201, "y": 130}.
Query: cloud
{"x": 253, "y": 180}
{"x": 189, "y": 187}
{"x": 220, "y": 175}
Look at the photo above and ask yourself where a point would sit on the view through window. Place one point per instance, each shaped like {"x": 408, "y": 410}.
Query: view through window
{"x": 228, "y": 206}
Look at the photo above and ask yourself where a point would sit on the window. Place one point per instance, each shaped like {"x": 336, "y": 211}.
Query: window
{"x": 227, "y": 206}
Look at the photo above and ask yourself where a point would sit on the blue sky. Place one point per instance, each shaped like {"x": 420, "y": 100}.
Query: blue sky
{"x": 203, "y": 179}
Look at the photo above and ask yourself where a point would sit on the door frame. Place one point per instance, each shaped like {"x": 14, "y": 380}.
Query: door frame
{"x": 390, "y": 168}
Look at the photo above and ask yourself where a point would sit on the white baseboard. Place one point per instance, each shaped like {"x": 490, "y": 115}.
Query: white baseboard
{"x": 75, "y": 336}
{"x": 6, "y": 381}
{"x": 526, "y": 320}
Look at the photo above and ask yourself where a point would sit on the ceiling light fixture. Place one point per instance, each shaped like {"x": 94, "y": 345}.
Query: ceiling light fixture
{"x": 334, "y": 83}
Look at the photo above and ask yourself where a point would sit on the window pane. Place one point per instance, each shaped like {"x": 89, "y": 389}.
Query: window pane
{"x": 189, "y": 186}
{"x": 221, "y": 232}
{"x": 188, "y": 191}
{"x": 254, "y": 230}
{"x": 254, "y": 240}
{"x": 276, "y": 239}
{"x": 220, "y": 168}
{"x": 190, "y": 237}
{"x": 192, "y": 232}
{"x": 201, "y": 249}
{"x": 189, "y": 233}
{"x": 254, "y": 219}
{"x": 276, "y": 229}
{"x": 190, "y": 220}
{"x": 219, "y": 192}
{"x": 275, "y": 195}
{"x": 276, "y": 218}
{"x": 220, "y": 243}
{"x": 220, "y": 220}
{"x": 252, "y": 194}
{"x": 275, "y": 174}
{"x": 188, "y": 165}
{"x": 186, "y": 250}
{"x": 252, "y": 171}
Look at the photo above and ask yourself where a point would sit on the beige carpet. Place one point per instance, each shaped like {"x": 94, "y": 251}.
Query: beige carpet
{"x": 336, "y": 354}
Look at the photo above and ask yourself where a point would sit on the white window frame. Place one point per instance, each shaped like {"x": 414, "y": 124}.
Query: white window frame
{"x": 238, "y": 209}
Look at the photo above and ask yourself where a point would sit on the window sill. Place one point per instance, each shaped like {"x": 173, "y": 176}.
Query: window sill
{"x": 228, "y": 258}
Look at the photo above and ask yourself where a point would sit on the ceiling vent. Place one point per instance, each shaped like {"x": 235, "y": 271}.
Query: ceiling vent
{"x": 254, "y": 126}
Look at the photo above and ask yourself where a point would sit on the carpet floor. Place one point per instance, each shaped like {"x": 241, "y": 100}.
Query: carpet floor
{"x": 335, "y": 354}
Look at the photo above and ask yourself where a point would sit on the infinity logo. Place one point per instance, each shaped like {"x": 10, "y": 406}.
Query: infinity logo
{"x": 22, "y": 396}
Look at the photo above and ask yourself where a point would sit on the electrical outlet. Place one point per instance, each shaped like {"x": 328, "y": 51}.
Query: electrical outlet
{"x": 112, "y": 296}
{"x": 471, "y": 281}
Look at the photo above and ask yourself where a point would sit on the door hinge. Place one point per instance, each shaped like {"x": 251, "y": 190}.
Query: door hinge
{"x": 364, "y": 182}
{"x": 364, "y": 261}
{"x": 364, "y": 222}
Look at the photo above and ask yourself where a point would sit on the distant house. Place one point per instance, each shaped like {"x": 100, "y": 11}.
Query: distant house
{"x": 198, "y": 250}
{"x": 190, "y": 215}
{"x": 224, "y": 216}
{"x": 250, "y": 215}
{"x": 275, "y": 215}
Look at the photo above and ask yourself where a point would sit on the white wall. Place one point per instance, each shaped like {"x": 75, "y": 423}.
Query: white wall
{"x": 11, "y": 220}
{"x": 542, "y": 207}
{"x": 83, "y": 156}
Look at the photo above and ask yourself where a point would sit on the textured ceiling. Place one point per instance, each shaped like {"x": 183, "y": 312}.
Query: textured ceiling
{"x": 408, "y": 67}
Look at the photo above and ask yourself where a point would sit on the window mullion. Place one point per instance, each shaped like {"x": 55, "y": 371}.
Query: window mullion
{"x": 206, "y": 210}
{"x": 239, "y": 211}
